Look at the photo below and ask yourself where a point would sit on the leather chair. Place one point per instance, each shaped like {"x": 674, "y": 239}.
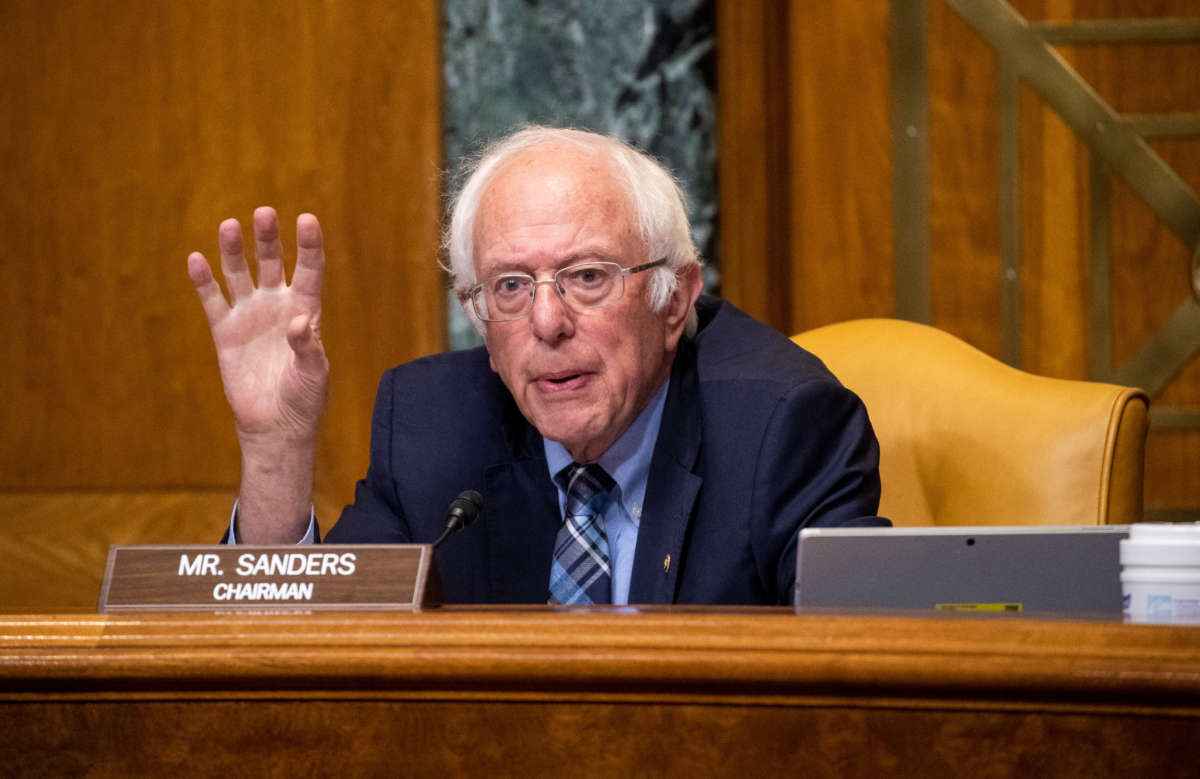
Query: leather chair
{"x": 967, "y": 440}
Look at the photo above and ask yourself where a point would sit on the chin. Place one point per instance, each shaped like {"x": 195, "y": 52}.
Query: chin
{"x": 573, "y": 436}
{"x": 568, "y": 437}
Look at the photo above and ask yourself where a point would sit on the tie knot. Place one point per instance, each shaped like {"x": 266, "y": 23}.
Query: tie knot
{"x": 587, "y": 487}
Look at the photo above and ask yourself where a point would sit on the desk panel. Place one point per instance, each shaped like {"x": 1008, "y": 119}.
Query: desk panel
{"x": 533, "y": 691}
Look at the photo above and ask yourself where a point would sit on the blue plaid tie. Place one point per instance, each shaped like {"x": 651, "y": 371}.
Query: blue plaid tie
{"x": 579, "y": 572}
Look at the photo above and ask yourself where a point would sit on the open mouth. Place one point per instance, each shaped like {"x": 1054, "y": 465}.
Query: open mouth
{"x": 563, "y": 381}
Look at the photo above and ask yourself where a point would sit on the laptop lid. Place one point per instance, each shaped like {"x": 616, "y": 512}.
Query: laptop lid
{"x": 1063, "y": 569}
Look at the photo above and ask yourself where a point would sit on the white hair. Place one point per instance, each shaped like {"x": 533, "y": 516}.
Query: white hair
{"x": 657, "y": 200}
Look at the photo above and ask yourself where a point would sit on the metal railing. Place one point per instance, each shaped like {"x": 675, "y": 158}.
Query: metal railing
{"x": 1117, "y": 147}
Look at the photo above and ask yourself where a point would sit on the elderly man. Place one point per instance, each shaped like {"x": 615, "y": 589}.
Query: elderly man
{"x": 633, "y": 442}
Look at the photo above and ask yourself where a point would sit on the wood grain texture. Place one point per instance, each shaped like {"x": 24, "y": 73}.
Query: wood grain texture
{"x": 805, "y": 197}
{"x": 535, "y": 652}
{"x": 1055, "y": 266}
{"x": 130, "y": 131}
{"x": 754, "y": 161}
{"x": 1150, "y": 265}
{"x": 373, "y": 738}
{"x": 53, "y": 545}
{"x": 665, "y": 691}
{"x": 429, "y": 738}
{"x": 1055, "y": 269}
{"x": 965, "y": 263}
{"x": 840, "y": 200}
{"x": 1172, "y": 476}
{"x": 836, "y": 157}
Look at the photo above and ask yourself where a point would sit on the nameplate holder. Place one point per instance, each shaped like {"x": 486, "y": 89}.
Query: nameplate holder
{"x": 396, "y": 577}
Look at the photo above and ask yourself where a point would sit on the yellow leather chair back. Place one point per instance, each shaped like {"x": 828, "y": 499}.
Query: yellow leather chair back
{"x": 967, "y": 440}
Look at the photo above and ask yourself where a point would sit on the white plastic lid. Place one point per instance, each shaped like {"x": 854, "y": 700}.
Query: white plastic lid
{"x": 1165, "y": 531}
{"x": 1161, "y": 574}
{"x": 1175, "y": 553}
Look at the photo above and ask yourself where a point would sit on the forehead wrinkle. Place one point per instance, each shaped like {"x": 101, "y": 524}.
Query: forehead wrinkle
{"x": 545, "y": 211}
{"x": 508, "y": 264}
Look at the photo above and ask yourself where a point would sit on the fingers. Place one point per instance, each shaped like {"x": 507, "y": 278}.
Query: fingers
{"x": 233, "y": 260}
{"x": 310, "y": 257}
{"x": 310, "y": 355}
{"x": 268, "y": 250}
{"x": 207, "y": 289}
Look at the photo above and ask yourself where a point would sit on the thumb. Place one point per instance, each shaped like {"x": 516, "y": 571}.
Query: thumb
{"x": 310, "y": 355}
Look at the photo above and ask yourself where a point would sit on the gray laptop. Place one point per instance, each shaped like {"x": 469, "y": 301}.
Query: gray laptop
{"x": 1059, "y": 569}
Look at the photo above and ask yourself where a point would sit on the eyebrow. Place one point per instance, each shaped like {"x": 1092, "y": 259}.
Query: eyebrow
{"x": 588, "y": 255}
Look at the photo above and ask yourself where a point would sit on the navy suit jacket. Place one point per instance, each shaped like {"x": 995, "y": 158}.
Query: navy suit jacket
{"x": 758, "y": 440}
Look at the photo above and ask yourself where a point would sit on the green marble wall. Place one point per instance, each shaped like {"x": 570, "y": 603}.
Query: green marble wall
{"x": 641, "y": 69}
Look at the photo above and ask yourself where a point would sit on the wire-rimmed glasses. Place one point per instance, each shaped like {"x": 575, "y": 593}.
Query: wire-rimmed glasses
{"x": 508, "y": 296}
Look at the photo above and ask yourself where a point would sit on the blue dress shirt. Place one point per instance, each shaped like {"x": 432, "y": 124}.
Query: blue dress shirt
{"x": 628, "y": 463}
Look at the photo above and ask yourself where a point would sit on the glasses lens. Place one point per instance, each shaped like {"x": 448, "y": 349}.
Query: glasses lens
{"x": 503, "y": 297}
{"x": 591, "y": 285}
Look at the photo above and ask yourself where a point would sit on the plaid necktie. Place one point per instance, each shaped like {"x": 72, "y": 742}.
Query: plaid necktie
{"x": 579, "y": 572}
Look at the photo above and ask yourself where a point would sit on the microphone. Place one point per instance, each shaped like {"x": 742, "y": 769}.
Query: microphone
{"x": 460, "y": 513}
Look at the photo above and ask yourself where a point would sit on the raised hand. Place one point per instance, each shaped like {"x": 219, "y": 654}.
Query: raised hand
{"x": 268, "y": 338}
{"x": 273, "y": 367}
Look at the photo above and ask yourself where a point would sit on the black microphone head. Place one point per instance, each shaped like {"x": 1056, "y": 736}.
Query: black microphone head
{"x": 466, "y": 506}
{"x": 460, "y": 513}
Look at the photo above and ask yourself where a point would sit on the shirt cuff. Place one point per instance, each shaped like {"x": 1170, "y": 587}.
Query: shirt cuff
{"x": 310, "y": 535}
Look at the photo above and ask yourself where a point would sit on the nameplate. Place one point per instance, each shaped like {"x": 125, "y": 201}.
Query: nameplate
{"x": 243, "y": 578}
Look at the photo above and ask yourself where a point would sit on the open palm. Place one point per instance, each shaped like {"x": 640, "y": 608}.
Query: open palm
{"x": 267, "y": 337}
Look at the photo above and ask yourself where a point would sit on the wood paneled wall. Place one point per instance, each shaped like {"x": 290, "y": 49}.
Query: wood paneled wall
{"x": 129, "y": 131}
{"x": 807, "y": 203}
{"x": 1150, "y": 264}
{"x": 804, "y": 161}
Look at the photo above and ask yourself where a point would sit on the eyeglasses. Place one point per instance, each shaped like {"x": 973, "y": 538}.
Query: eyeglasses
{"x": 587, "y": 285}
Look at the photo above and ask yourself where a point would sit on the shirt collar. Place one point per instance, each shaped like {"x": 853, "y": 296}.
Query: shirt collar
{"x": 627, "y": 460}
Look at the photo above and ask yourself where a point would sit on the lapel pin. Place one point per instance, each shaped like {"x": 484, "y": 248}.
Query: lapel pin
{"x": 667, "y": 564}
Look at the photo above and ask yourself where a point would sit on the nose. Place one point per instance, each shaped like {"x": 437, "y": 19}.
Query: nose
{"x": 550, "y": 317}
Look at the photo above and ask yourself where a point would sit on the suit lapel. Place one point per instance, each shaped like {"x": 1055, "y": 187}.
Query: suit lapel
{"x": 672, "y": 487}
{"x": 522, "y": 521}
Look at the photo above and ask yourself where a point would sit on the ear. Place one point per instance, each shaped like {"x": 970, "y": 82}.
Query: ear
{"x": 688, "y": 283}
{"x": 464, "y": 300}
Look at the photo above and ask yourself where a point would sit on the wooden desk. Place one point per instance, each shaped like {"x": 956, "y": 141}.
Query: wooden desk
{"x": 747, "y": 692}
